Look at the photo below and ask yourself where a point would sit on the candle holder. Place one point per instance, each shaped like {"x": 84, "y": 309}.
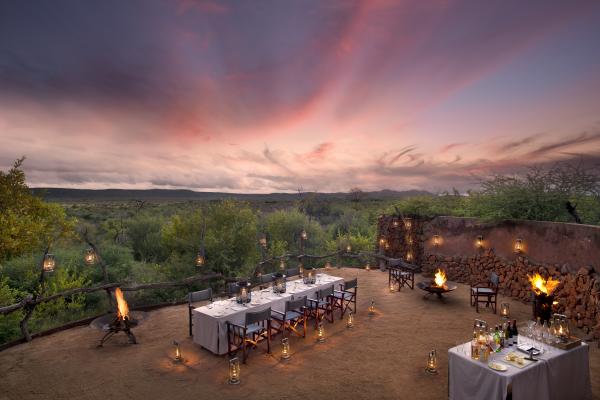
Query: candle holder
{"x": 479, "y": 242}
{"x": 309, "y": 276}
{"x": 368, "y": 267}
{"x": 285, "y": 349}
{"x": 392, "y": 287}
{"x": 234, "y": 371}
{"x": 90, "y": 256}
{"x": 279, "y": 283}
{"x": 178, "y": 357}
{"x": 49, "y": 263}
{"x": 372, "y": 308}
{"x": 505, "y": 310}
{"x": 244, "y": 295}
{"x": 432, "y": 363}
{"x": 436, "y": 240}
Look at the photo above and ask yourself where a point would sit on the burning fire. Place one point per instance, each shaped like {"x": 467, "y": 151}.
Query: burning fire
{"x": 122, "y": 307}
{"x": 540, "y": 285}
{"x": 440, "y": 278}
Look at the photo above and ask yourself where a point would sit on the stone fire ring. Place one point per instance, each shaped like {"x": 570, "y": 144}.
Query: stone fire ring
{"x": 438, "y": 291}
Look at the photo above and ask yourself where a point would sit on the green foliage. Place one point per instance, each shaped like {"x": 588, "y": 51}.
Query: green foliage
{"x": 9, "y": 324}
{"x": 26, "y": 222}
{"x": 144, "y": 233}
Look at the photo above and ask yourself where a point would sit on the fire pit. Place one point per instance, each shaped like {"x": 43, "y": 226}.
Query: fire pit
{"x": 121, "y": 321}
{"x": 542, "y": 296}
{"x": 438, "y": 286}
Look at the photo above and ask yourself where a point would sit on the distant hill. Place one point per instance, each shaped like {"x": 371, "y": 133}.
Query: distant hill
{"x": 74, "y": 195}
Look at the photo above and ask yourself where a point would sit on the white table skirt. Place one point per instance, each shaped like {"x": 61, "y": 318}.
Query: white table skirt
{"x": 559, "y": 375}
{"x": 210, "y": 321}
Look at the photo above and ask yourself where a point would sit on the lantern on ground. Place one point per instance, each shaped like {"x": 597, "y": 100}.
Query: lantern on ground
{"x": 327, "y": 265}
{"x": 368, "y": 267}
{"x": 436, "y": 240}
{"x": 301, "y": 269}
{"x": 518, "y": 245}
{"x": 432, "y": 363}
{"x": 505, "y": 310}
{"x": 321, "y": 333}
{"x": 49, "y": 263}
{"x": 479, "y": 242}
{"x": 392, "y": 287}
{"x": 372, "y": 307}
{"x": 178, "y": 357}
{"x": 350, "y": 320}
{"x": 90, "y": 256}
{"x": 285, "y": 349}
{"x": 234, "y": 371}
{"x": 200, "y": 260}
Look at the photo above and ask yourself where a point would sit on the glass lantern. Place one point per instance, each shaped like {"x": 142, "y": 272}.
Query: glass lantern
{"x": 285, "y": 349}
{"x": 432, "y": 362}
{"x": 90, "y": 256}
{"x": 308, "y": 276}
{"x": 321, "y": 333}
{"x": 279, "y": 281}
{"x": 244, "y": 294}
{"x": 350, "y": 320}
{"x": 234, "y": 371}
{"x": 505, "y": 310}
{"x": 49, "y": 263}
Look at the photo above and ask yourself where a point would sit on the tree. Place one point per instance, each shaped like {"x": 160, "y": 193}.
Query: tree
{"x": 27, "y": 222}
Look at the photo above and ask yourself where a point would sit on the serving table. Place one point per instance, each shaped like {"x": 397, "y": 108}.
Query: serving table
{"x": 210, "y": 321}
{"x": 559, "y": 374}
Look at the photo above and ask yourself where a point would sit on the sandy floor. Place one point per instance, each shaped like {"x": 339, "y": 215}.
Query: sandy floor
{"x": 383, "y": 357}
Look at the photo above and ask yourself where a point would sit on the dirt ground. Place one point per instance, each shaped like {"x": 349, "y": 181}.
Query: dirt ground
{"x": 383, "y": 357}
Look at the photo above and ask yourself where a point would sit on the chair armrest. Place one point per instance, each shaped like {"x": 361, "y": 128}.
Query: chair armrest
{"x": 312, "y": 300}
{"x": 277, "y": 312}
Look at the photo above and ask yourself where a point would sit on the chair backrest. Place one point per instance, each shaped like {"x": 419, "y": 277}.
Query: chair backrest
{"x": 295, "y": 304}
{"x": 323, "y": 293}
{"x": 494, "y": 280}
{"x": 268, "y": 278}
{"x": 258, "y": 316}
{"x": 293, "y": 272}
{"x": 351, "y": 284}
{"x": 200, "y": 295}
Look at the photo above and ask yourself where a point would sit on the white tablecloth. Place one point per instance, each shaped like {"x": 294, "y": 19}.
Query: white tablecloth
{"x": 559, "y": 375}
{"x": 210, "y": 321}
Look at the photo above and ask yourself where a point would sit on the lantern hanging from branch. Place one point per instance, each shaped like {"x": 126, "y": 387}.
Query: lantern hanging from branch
{"x": 234, "y": 371}
{"x": 200, "y": 259}
{"x": 90, "y": 256}
{"x": 303, "y": 235}
{"x": 49, "y": 263}
{"x": 436, "y": 240}
{"x": 348, "y": 248}
{"x": 407, "y": 223}
{"x": 285, "y": 349}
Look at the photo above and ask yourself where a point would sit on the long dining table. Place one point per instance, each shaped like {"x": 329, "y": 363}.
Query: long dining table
{"x": 210, "y": 321}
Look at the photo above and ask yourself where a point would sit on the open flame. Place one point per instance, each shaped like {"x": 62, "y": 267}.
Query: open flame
{"x": 122, "y": 307}
{"x": 440, "y": 278}
{"x": 540, "y": 285}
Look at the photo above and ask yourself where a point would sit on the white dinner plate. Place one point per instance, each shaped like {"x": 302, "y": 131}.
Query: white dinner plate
{"x": 497, "y": 366}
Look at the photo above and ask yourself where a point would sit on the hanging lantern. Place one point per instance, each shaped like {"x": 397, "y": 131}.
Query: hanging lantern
{"x": 234, "y": 371}
{"x": 407, "y": 223}
{"x": 409, "y": 256}
{"x": 436, "y": 240}
{"x": 282, "y": 263}
{"x": 200, "y": 260}
{"x": 321, "y": 333}
{"x": 382, "y": 242}
{"x": 90, "y": 256}
{"x": 49, "y": 263}
{"x": 303, "y": 235}
{"x": 395, "y": 223}
{"x": 479, "y": 242}
{"x": 519, "y": 245}
{"x": 350, "y": 320}
{"x": 409, "y": 239}
{"x": 372, "y": 307}
{"x": 432, "y": 363}
{"x": 505, "y": 310}
{"x": 285, "y": 349}
{"x": 178, "y": 357}
{"x": 348, "y": 249}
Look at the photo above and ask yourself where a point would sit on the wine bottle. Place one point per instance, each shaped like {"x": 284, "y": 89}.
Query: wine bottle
{"x": 510, "y": 333}
{"x": 515, "y": 333}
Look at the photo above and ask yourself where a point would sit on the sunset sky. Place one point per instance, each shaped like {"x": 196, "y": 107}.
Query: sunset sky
{"x": 270, "y": 96}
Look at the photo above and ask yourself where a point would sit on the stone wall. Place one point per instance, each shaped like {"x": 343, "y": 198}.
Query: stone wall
{"x": 567, "y": 252}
